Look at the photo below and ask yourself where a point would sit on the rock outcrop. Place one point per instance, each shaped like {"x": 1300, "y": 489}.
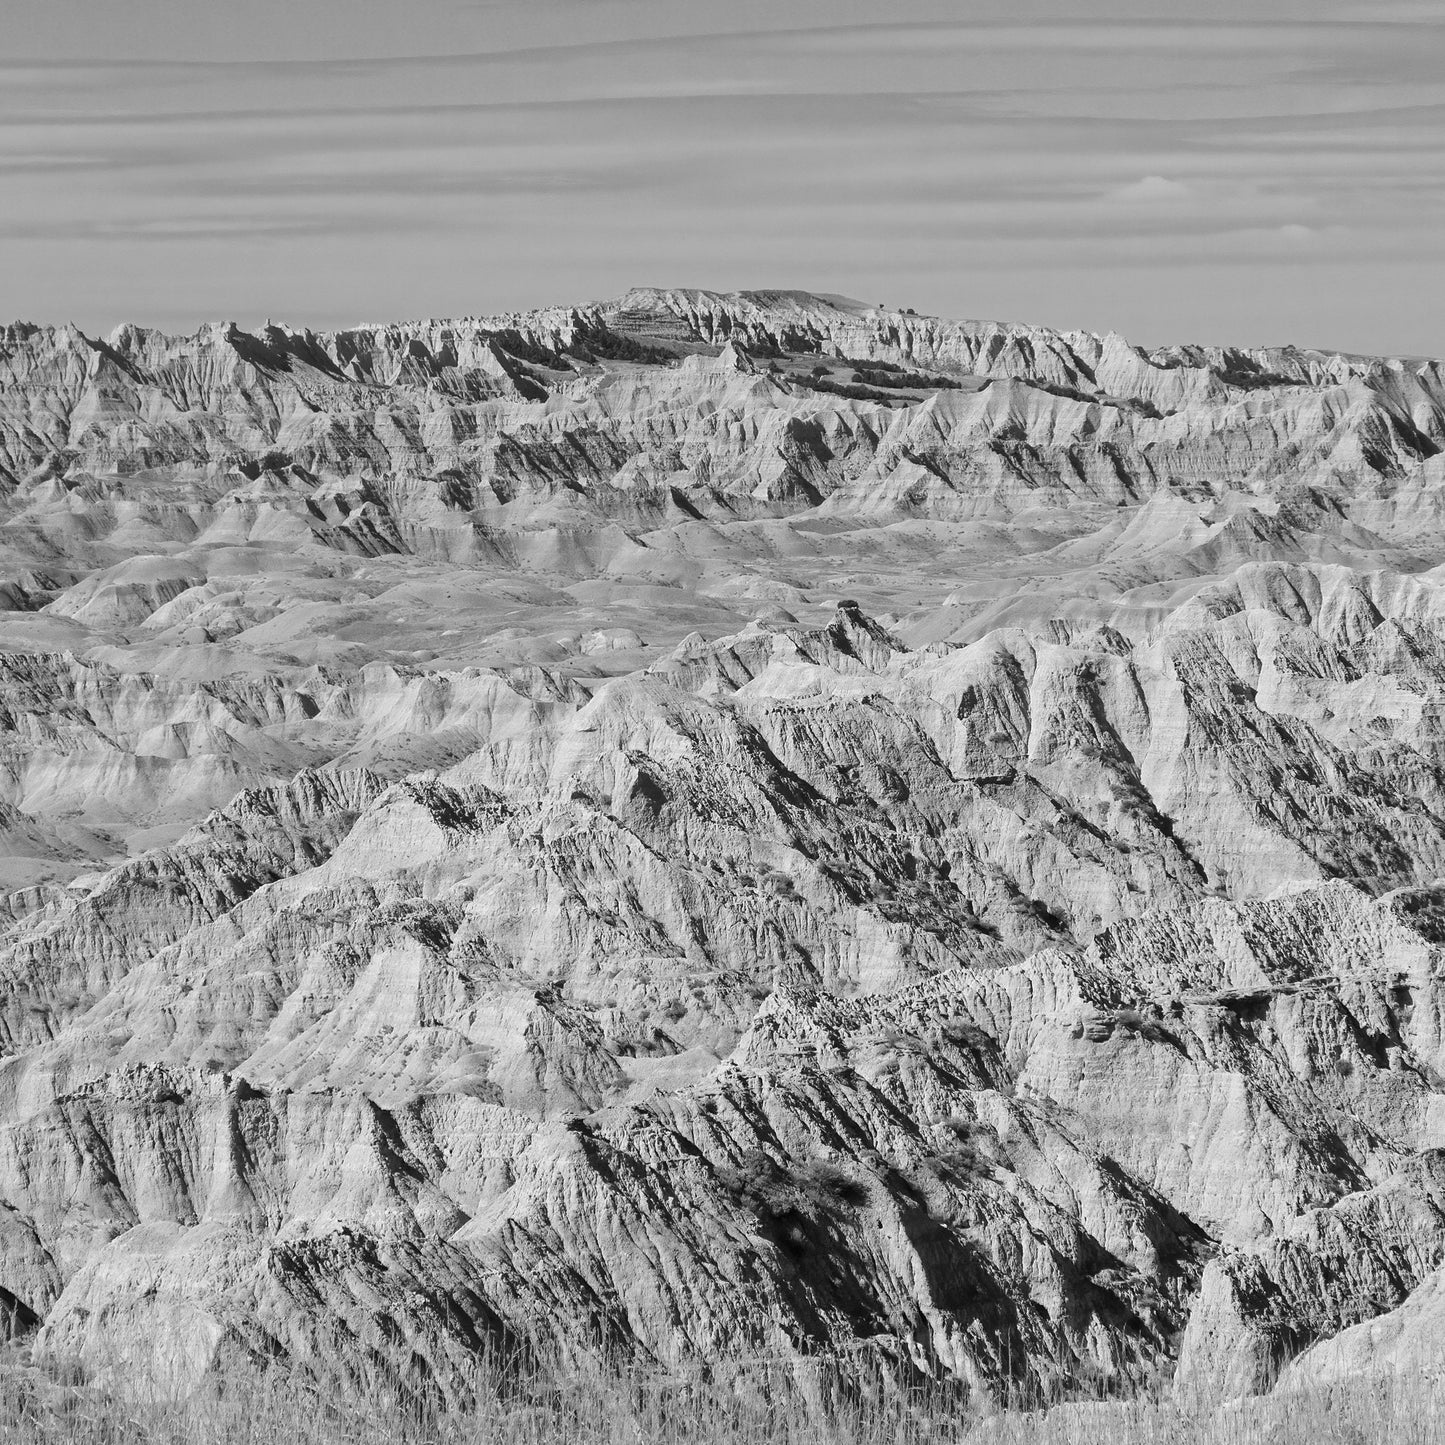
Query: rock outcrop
{"x": 721, "y": 824}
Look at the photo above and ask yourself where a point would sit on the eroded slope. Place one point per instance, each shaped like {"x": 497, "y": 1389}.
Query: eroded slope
{"x": 704, "y": 824}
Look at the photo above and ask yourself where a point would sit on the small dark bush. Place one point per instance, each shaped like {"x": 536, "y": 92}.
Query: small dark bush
{"x": 831, "y": 1184}
{"x": 1145, "y": 1026}
{"x": 967, "y": 1033}
{"x": 900, "y": 1041}
{"x": 782, "y": 1190}
{"x": 965, "y": 1161}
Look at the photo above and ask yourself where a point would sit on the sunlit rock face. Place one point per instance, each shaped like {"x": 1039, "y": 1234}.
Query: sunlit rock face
{"x": 722, "y": 824}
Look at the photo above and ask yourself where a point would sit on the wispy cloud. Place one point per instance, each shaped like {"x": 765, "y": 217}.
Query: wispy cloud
{"x": 1150, "y": 191}
{"x": 811, "y": 143}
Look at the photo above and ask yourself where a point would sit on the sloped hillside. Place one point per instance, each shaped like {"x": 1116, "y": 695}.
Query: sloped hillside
{"x": 722, "y": 825}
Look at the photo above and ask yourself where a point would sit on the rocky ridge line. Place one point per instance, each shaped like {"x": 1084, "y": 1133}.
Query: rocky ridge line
{"x": 721, "y": 824}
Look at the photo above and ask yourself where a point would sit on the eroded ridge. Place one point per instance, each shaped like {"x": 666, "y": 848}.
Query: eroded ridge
{"x": 721, "y": 825}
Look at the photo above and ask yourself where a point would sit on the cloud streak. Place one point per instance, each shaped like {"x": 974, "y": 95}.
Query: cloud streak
{"x": 979, "y": 166}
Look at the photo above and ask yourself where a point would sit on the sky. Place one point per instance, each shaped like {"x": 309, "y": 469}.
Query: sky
{"x": 1217, "y": 171}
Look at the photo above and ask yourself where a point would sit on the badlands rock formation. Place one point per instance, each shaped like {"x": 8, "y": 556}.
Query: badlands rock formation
{"x": 722, "y": 825}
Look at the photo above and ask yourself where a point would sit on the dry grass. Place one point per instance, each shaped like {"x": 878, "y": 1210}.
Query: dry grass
{"x": 506, "y": 1403}
{"x": 1379, "y": 1410}
{"x": 754, "y": 1404}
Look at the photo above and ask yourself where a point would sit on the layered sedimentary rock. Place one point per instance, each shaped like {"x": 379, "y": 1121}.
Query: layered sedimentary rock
{"x": 721, "y": 825}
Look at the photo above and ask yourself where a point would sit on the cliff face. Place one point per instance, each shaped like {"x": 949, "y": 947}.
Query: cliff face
{"x": 721, "y": 824}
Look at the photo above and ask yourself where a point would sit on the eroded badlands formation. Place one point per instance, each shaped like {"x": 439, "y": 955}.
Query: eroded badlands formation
{"x": 722, "y": 825}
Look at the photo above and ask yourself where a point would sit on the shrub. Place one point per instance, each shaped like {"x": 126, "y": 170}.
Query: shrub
{"x": 784, "y": 1190}
{"x": 900, "y": 1040}
{"x": 830, "y": 1184}
{"x": 1145, "y": 1026}
{"x": 963, "y": 1163}
{"x": 967, "y": 1033}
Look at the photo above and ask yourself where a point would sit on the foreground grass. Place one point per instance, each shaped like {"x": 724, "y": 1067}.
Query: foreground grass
{"x": 1383, "y": 1410}
{"x": 755, "y": 1405}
